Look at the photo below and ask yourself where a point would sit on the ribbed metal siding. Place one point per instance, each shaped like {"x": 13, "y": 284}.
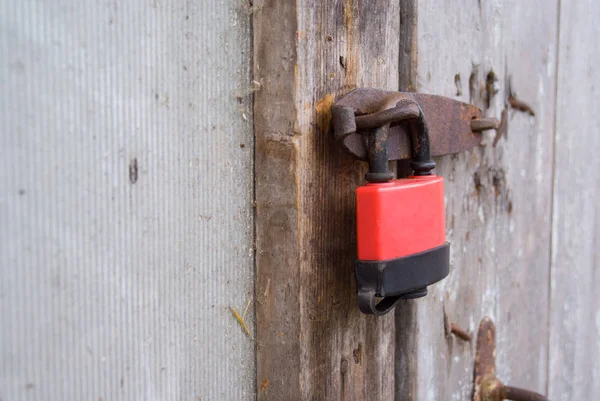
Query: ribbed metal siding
{"x": 116, "y": 285}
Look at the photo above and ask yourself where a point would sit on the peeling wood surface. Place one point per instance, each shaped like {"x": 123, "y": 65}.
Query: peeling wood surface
{"x": 498, "y": 202}
{"x": 575, "y": 279}
{"x": 312, "y": 342}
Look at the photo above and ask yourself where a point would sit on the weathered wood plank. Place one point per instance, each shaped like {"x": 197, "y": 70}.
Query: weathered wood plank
{"x": 497, "y": 198}
{"x": 312, "y": 342}
{"x": 574, "y": 371}
{"x": 522, "y": 257}
{"x": 276, "y": 218}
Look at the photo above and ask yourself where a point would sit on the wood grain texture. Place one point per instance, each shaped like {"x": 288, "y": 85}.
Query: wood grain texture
{"x": 276, "y": 219}
{"x": 498, "y": 205}
{"x": 575, "y": 301}
{"x": 312, "y": 342}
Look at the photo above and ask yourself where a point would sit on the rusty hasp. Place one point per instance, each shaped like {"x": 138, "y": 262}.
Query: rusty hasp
{"x": 487, "y": 387}
{"x": 453, "y": 126}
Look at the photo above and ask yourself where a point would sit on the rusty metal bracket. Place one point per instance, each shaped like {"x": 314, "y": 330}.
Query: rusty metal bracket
{"x": 453, "y": 126}
{"x": 487, "y": 386}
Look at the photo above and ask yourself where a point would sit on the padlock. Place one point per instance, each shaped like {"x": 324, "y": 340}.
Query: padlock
{"x": 401, "y": 232}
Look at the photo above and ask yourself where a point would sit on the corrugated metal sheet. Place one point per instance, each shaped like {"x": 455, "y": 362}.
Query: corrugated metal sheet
{"x": 126, "y": 219}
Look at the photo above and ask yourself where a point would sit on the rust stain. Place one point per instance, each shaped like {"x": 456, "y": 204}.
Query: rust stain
{"x": 491, "y": 86}
{"x": 502, "y": 130}
{"x": 323, "y": 109}
{"x": 264, "y": 385}
{"x": 352, "y": 51}
{"x": 458, "y": 84}
{"x": 520, "y": 105}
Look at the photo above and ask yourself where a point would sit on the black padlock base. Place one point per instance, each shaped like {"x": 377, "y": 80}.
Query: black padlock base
{"x": 396, "y": 279}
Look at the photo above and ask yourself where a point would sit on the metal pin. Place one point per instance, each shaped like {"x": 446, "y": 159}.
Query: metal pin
{"x": 519, "y": 394}
{"x": 484, "y": 124}
{"x": 460, "y": 333}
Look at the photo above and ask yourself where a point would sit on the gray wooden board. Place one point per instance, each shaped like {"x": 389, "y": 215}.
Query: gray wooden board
{"x": 312, "y": 342}
{"x": 575, "y": 300}
{"x": 498, "y": 203}
{"x": 126, "y": 219}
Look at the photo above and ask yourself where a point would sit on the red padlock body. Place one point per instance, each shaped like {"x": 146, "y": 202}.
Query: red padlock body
{"x": 400, "y": 217}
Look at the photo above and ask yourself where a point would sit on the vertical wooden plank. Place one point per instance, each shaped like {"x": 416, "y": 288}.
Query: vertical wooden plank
{"x": 126, "y": 191}
{"x": 574, "y": 371}
{"x": 521, "y": 188}
{"x": 312, "y": 342}
{"x": 276, "y": 196}
{"x": 497, "y": 198}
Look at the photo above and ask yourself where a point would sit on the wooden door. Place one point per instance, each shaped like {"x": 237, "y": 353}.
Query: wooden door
{"x": 499, "y": 198}
{"x": 520, "y": 209}
{"x": 520, "y": 214}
